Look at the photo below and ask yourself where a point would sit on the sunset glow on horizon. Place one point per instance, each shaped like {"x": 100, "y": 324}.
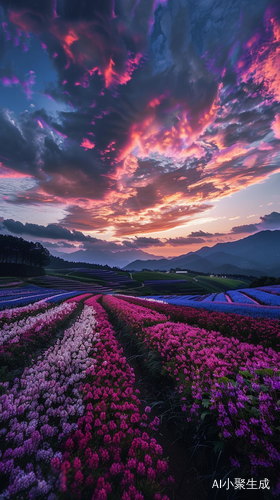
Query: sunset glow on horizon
{"x": 139, "y": 125}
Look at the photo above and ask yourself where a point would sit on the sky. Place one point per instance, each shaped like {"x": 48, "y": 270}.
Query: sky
{"x": 139, "y": 124}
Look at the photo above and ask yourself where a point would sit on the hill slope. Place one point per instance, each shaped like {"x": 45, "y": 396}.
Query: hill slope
{"x": 254, "y": 255}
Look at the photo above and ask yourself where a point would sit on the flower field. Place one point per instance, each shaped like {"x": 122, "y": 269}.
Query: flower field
{"x": 24, "y": 296}
{"x": 258, "y": 302}
{"x": 235, "y": 384}
{"x": 72, "y": 424}
{"x": 263, "y": 331}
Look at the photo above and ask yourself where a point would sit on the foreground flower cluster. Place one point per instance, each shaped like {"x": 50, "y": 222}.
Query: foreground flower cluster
{"x": 238, "y": 382}
{"x": 111, "y": 454}
{"x": 42, "y": 408}
{"x": 258, "y": 331}
{"x": 248, "y": 414}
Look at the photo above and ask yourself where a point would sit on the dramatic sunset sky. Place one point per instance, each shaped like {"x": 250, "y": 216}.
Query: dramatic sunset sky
{"x": 149, "y": 124}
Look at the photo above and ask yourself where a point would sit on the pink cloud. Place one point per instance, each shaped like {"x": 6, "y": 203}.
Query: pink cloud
{"x": 87, "y": 144}
{"x": 276, "y": 126}
{"x": 9, "y": 173}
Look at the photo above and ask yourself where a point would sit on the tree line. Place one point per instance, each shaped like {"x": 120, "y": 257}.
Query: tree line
{"x": 15, "y": 250}
{"x": 59, "y": 263}
{"x": 265, "y": 281}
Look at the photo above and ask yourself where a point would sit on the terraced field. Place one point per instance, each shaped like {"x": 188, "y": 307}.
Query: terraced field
{"x": 257, "y": 302}
{"x": 187, "y": 284}
{"x": 103, "y": 277}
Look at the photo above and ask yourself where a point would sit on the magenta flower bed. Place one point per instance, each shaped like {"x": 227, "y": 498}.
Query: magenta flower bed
{"x": 111, "y": 454}
{"x": 261, "y": 331}
{"x": 206, "y": 368}
{"x": 78, "y": 298}
{"x": 138, "y": 315}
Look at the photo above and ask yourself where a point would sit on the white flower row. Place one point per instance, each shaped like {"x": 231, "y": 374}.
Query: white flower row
{"x": 17, "y": 311}
{"x": 46, "y": 402}
{"x": 13, "y": 331}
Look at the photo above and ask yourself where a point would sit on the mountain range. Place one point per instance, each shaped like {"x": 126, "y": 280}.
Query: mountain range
{"x": 106, "y": 257}
{"x": 255, "y": 255}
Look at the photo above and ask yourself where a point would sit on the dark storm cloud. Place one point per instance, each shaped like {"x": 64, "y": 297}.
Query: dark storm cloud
{"x": 51, "y": 231}
{"x": 18, "y": 143}
{"x": 73, "y": 172}
{"x": 145, "y": 197}
{"x": 59, "y": 244}
{"x": 270, "y": 221}
{"x": 251, "y": 126}
{"x": 143, "y": 242}
{"x": 245, "y": 228}
{"x": 188, "y": 240}
{"x": 203, "y": 234}
{"x": 94, "y": 47}
{"x": 57, "y": 232}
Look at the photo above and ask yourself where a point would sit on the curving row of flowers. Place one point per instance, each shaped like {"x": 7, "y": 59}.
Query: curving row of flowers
{"x": 253, "y": 309}
{"x": 29, "y": 326}
{"x": 258, "y": 331}
{"x": 24, "y": 291}
{"x": 78, "y": 298}
{"x": 220, "y": 297}
{"x": 65, "y": 296}
{"x": 235, "y": 383}
{"x": 138, "y": 315}
{"x": 238, "y": 297}
{"x": 9, "y": 315}
{"x": 41, "y": 409}
{"x": 112, "y": 454}
{"x": 263, "y": 297}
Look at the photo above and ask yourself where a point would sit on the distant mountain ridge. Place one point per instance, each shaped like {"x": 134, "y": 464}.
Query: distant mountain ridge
{"x": 103, "y": 257}
{"x": 256, "y": 254}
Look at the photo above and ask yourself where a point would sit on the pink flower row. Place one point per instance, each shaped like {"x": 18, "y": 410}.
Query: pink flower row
{"x": 205, "y": 366}
{"x": 78, "y": 298}
{"x": 138, "y": 315}
{"x": 111, "y": 454}
{"x": 258, "y": 331}
{"x": 195, "y": 349}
